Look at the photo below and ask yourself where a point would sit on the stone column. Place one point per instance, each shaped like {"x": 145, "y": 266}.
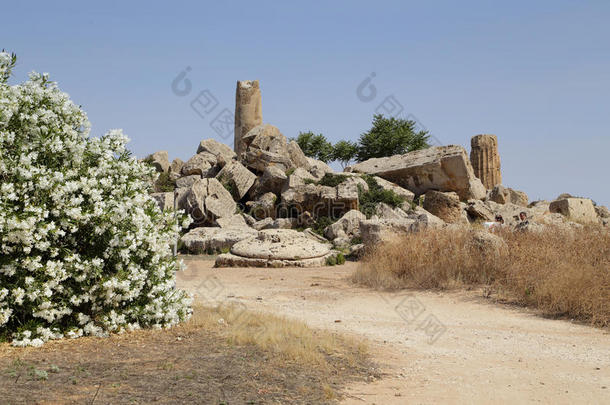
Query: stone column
{"x": 485, "y": 159}
{"x": 248, "y": 110}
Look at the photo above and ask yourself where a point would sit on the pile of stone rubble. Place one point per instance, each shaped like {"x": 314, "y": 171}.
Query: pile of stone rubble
{"x": 257, "y": 204}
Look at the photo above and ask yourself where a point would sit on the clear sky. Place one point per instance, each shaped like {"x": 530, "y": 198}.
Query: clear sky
{"x": 535, "y": 73}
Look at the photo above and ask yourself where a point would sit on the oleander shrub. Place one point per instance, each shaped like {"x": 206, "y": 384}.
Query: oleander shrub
{"x": 84, "y": 249}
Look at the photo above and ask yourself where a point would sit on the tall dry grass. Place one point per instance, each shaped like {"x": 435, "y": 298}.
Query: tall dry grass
{"x": 561, "y": 272}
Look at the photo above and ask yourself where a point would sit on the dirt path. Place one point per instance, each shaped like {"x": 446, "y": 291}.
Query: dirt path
{"x": 433, "y": 347}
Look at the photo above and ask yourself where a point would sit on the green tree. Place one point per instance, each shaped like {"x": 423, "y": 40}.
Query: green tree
{"x": 315, "y": 146}
{"x": 390, "y": 136}
{"x": 345, "y": 152}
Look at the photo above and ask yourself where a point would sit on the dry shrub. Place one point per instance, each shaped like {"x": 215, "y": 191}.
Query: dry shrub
{"x": 561, "y": 272}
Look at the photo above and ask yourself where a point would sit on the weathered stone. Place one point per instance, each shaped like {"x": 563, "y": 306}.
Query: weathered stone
{"x": 305, "y": 219}
{"x": 464, "y": 218}
{"x": 384, "y": 211}
{"x": 187, "y": 181}
{"x": 212, "y": 239}
{"x": 356, "y": 251}
{"x": 263, "y": 224}
{"x": 342, "y": 242}
{"x": 348, "y": 225}
{"x": 347, "y": 192}
{"x": 477, "y": 210}
{"x": 272, "y": 180}
{"x": 263, "y": 207}
{"x": 312, "y": 235}
{"x": 231, "y": 260}
{"x": 603, "y": 214}
{"x": 298, "y": 177}
{"x": 558, "y": 221}
{"x": 375, "y": 231}
{"x": 201, "y": 164}
{"x": 234, "y": 221}
{"x": 318, "y": 168}
{"x": 485, "y": 159}
{"x": 276, "y": 248}
{"x": 539, "y": 208}
{"x": 237, "y": 178}
{"x": 321, "y": 201}
{"x": 160, "y": 161}
{"x": 282, "y": 244}
{"x": 399, "y": 191}
{"x": 217, "y": 149}
{"x": 297, "y": 156}
{"x": 208, "y": 200}
{"x": 602, "y": 211}
{"x": 248, "y": 111}
{"x": 249, "y": 219}
{"x": 279, "y": 223}
{"x": 176, "y": 166}
{"x": 575, "y": 209}
{"x": 488, "y": 244}
{"x": 540, "y": 204}
{"x": 442, "y": 168}
{"x": 446, "y": 206}
{"x": 265, "y": 146}
{"x": 282, "y": 223}
{"x": 180, "y": 195}
{"x": 164, "y": 200}
{"x": 219, "y": 202}
{"x": 426, "y": 221}
{"x": 504, "y": 195}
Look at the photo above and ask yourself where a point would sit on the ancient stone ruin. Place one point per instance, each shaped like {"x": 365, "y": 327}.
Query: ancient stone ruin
{"x": 267, "y": 204}
{"x": 248, "y": 110}
{"x": 276, "y": 248}
{"x": 441, "y": 168}
{"x": 485, "y": 159}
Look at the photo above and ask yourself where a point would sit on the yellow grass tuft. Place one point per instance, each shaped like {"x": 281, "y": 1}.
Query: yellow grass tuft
{"x": 289, "y": 340}
{"x": 561, "y": 272}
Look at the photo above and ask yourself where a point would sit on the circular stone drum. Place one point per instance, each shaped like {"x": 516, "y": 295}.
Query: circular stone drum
{"x": 280, "y": 244}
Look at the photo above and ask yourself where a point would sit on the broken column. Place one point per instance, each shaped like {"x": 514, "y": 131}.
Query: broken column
{"x": 248, "y": 110}
{"x": 485, "y": 159}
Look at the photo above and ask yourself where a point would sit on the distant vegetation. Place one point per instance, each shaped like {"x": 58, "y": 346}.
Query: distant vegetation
{"x": 376, "y": 195}
{"x": 390, "y": 136}
{"x": 315, "y": 146}
{"x": 387, "y": 137}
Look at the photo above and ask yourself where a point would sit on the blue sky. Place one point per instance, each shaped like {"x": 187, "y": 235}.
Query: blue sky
{"x": 536, "y": 74}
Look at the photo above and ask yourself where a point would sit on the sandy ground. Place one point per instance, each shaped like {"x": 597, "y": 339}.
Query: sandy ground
{"x": 431, "y": 347}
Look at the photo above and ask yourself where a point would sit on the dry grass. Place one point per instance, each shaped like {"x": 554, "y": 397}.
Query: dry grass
{"x": 289, "y": 340}
{"x": 222, "y": 355}
{"x": 562, "y": 273}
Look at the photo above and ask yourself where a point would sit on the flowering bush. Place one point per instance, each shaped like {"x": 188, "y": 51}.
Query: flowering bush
{"x": 84, "y": 250}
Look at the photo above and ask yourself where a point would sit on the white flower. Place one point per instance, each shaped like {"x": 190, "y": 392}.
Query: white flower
{"x": 62, "y": 193}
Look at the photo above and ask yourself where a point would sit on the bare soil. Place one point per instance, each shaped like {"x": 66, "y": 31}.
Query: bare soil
{"x": 189, "y": 364}
{"x": 449, "y": 347}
